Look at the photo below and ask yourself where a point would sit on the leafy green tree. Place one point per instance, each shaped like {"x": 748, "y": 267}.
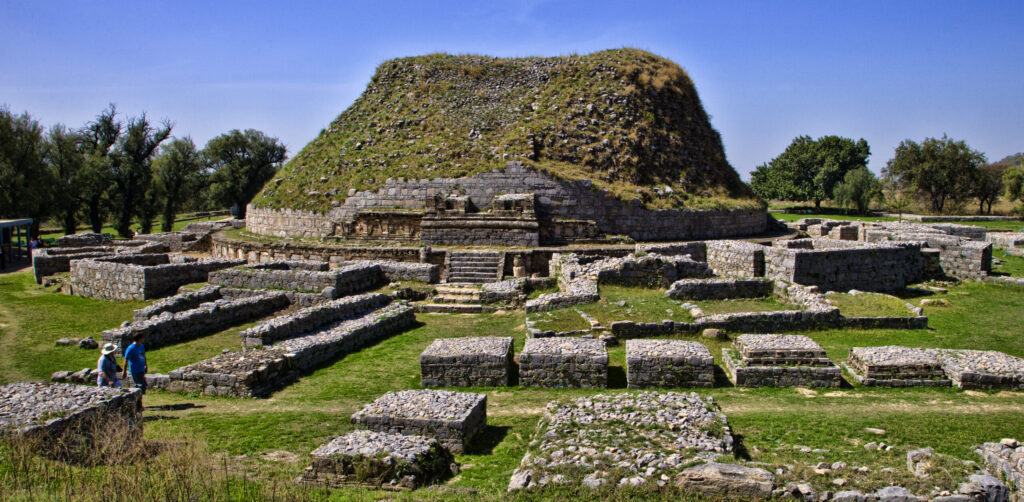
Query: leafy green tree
{"x": 176, "y": 170}
{"x": 1013, "y": 179}
{"x": 26, "y": 187}
{"x": 988, "y": 186}
{"x": 98, "y": 139}
{"x": 809, "y": 169}
{"x": 66, "y": 161}
{"x": 858, "y": 190}
{"x": 942, "y": 171}
{"x": 131, "y": 169}
{"x": 241, "y": 162}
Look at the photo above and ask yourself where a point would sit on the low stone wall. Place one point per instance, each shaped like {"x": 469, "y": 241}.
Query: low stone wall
{"x": 209, "y": 318}
{"x": 720, "y": 289}
{"x": 563, "y": 362}
{"x": 295, "y": 298}
{"x": 139, "y": 276}
{"x": 779, "y": 376}
{"x": 981, "y": 369}
{"x": 736, "y": 258}
{"x": 44, "y": 265}
{"x": 835, "y": 265}
{"x": 62, "y": 420}
{"x": 396, "y": 271}
{"x": 379, "y": 459}
{"x": 312, "y": 318}
{"x": 895, "y": 366}
{"x": 310, "y": 265}
{"x": 650, "y": 270}
{"x": 453, "y": 418}
{"x": 668, "y": 363}
{"x": 258, "y": 372}
{"x": 84, "y": 239}
{"x": 1006, "y": 460}
{"x": 257, "y": 252}
{"x": 697, "y": 250}
{"x": 467, "y": 362}
{"x": 185, "y": 300}
{"x": 346, "y": 280}
{"x": 1006, "y": 239}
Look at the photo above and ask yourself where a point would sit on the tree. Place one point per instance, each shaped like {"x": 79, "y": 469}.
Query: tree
{"x": 98, "y": 139}
{"x": 65, "y": 160}
{"x": 241, "y": 163}
{"x": 176, "y": 170}
{"x": 988, "y": 186}
{"x": 941, "y": 170}
{"x": 809, "y": 170}
{"x": 858, "y": 189}
{"x": 25, "y": 182}
{"x": 1013, "y": 179}
{"x": 131, "y": 169}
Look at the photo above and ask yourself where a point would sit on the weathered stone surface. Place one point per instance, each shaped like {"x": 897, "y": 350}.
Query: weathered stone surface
{"x": 736, "y": 258}
{"x": 582, "y": 439}
{"x": 895, "y": 366}
{"x": 139, "y": 276}
{"x": 311, "y": 318}
{"x": 842, "y": 265}
{"x": 982, "y": 369}
{"x": 377, "y": 458}
{"x": 453, "y": 418}
{"x": 467, "y": 362}
{"x": 668, "y": 363}
{"x": 779, "y": 361}
{"x": 344, "y": 281}
{"x": 727, "y": 480}
{"x": 185, "y": 300}
{"x": 719, "y": 289}
{"x": 1007, "y": 462}
{"x": 563, "y": 362}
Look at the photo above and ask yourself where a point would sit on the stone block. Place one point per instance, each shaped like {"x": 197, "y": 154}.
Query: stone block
{"x": 668, "y": 363}
{"x": 467, "y": 362}
{"x": 563, "y": 362}
{"x": 453, "y": 418}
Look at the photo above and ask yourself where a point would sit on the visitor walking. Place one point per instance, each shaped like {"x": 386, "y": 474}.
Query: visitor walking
{"x": 107, "y": 367}
{"x": 135, "y": 362}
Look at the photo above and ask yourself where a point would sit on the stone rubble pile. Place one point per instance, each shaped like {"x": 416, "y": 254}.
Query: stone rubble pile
{"x": 311, "y": 318}
{"x": 637, "y": 439}
{"x": 563, "y": 362}
{"x": 206, "y": 319}
{"x": 467, "y": 362}
{"x": 377, "y": 458}
{"x": 779, "y": 361}
{"x": 1006, "y": 460}
{"x": 895, "y": 366}
{"x": 453, "y": 418}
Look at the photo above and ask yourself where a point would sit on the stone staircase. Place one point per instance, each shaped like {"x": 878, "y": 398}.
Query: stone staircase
{"x": 456, "y": 299}
{"x": 478, "y": 267}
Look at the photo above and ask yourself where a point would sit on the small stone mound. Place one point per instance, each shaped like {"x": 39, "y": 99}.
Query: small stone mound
{"x": 454, "y": 418}
{"x": 895, "y": 366}
{"x": 380, "y": 459}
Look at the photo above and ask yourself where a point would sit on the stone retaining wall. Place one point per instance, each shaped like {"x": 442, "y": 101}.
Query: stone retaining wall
{"x": 396, "y": 271}
{"x": 258, "y": 372}
{"x": 720, "y": 289}
{"x": 185, "y": 300}
{"x": 346, "y": 280}
{"x": 139, "y": 276}
{"x": 736, "y": 258}
{"x": 555, "y": 198}
{"x": 480, "y": 231}
{"x": 311, "y": 318}
{"x": 835, "y": 265}
{"x": 209, "y": 318}
{"x": 62, "y": 420}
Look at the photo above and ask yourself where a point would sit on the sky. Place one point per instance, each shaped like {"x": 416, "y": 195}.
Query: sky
{"x": 767, "y": 71}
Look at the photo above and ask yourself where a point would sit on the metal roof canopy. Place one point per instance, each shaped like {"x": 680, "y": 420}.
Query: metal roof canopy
{"x": 15, "y": 223}
{"x": 16, "y": 233}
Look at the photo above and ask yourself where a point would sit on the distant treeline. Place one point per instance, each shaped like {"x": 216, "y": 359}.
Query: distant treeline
{"x": 125, "y": 171}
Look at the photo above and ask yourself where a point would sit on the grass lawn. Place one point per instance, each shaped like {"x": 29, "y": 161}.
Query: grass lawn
{"x": 1010, "y": 265}
{"x": 869, "y": 305}
{"x": 770, "y": 304}
{"x": 109, "y": 229}
{"x": 268, "y": 440}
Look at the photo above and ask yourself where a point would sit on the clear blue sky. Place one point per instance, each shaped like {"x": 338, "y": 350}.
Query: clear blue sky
{"x": 766, "y": 71}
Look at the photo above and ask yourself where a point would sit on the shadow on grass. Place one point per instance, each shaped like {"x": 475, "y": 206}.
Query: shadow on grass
{"x": 616, "y": 377}
{"x": 739, "y": 450}
{"x": 485, "y": 442}
{"x": 721, "y": 379}
{"x": 175, "y": 407}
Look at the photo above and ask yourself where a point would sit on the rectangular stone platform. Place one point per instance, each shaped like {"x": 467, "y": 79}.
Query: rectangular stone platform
{"x": 140, "y": 276}
{"x": 467, "y": 362}
{"x": 453, "y": 418}
{"x": 779, "y": 361}
{"x": 311, "y": 318}
{"x": 895, "y": 366}
{"x": 378, "y": 458}
{"x": 62, "y": 420}
{"x": 563, "y": 362}
{"x": 344, "y": 281}
{"x": 668, "y": 363}
{"x": 982, "y": 369}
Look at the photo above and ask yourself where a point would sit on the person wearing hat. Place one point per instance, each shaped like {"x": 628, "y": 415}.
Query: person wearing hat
{"x": 107, "y": 368}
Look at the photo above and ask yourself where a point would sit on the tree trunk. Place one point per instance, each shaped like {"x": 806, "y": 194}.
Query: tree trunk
{"x": 95, "y": 215}
{"x": 70, "y": 222}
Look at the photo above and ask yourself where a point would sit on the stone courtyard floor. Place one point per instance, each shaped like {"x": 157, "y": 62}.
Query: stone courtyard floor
{"x": 800, "y": 434}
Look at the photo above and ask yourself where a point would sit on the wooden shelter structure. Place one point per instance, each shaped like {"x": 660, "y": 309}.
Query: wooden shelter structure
{"x": 14, "y": 238}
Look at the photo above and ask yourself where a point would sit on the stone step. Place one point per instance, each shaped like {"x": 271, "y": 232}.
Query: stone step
{"x": 482, "y": 270}
{"x": 488, "y": 276}
{"x": 456, "y": 299}
{"x": 448, "y": 308}
{"x": 463, "y": 254}
{"x": 491, "y": 263}
{"x": 456, "y": 289}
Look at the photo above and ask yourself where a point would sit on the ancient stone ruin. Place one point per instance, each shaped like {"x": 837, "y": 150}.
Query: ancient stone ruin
{"x": 453, "y": 418}
{"x": 779, "y": 361}
{"x": 379, "y": 459}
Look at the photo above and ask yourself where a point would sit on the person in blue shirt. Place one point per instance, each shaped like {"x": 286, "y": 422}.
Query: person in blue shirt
{"x": 135, "y": 362}
{"x": 107, "y": 367}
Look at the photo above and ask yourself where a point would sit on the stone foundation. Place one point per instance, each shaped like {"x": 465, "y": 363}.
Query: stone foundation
{"x": 311, "y": 318}
{"x": 453, "y": 418}
{"x": 344, "y": 281}
{"x": 736, "y": 258}
{"x": 467, "y": 362}
{"x": 209, "y": 318}
{"x": 185, "y": 300}
{"x": 139, "y": 276}
{"x": 720, "y": 289}
{"x": 894, "y": 366}
{"x": 835, "y": 265}
{"x": 563, "y": 362}
{"x": 668, "y": 363}
{"x": 779, "y": 361}
{"x": 62, "y": 420}
{"x": 379, "y": 459}
{"x": 981, "y": 369}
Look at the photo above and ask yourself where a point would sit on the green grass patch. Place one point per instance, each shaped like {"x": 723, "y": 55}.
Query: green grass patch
{"x": 1009, "y": 264}
{"x": 771, "y": 304}
{"x": 869, "y": 305}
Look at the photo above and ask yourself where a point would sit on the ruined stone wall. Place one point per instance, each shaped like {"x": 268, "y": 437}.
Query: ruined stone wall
{"x": 404, "y": 271}
{"x": 736, "y": 258}
{"x": 258, "y": 252}
{"x": 838, "y": 265}
{"x": 578, "y": 200}
{"x": 720, "y": 289}
{"x": 309, "y": 319}
{"x": 169, "y": 328}
{"x": 139, "y": 276}
{"x": 346, "y": 280}
{"x": 185, "y": 300}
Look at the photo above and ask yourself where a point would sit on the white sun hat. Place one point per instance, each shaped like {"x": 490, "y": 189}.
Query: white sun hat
{"x": 109, "y": 349}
